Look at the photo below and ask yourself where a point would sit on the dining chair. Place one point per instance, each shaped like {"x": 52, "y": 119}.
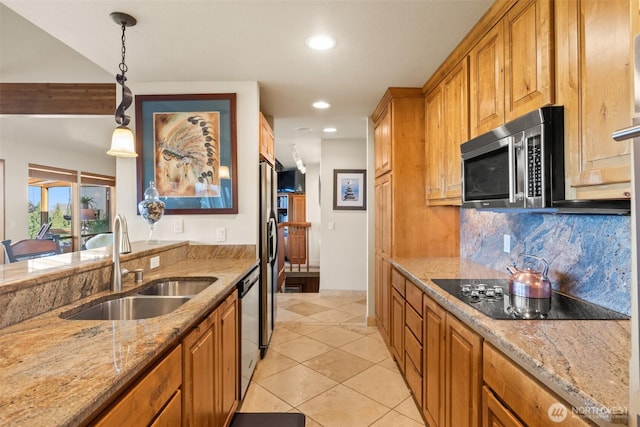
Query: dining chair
{"x": 30, "y": 248}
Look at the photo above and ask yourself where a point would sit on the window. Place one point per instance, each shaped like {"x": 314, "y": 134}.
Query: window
{"x": 77, "y": 205}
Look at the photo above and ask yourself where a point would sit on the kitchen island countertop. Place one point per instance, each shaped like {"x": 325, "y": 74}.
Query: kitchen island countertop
{"x": 585, "y": 362}
{"x": 63, "y": 372}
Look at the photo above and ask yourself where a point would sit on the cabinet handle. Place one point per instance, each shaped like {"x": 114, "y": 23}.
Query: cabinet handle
{"x": 626, "y": 133}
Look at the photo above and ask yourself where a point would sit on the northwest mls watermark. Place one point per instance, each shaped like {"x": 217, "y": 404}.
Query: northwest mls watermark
{"x": 557, "y": 412}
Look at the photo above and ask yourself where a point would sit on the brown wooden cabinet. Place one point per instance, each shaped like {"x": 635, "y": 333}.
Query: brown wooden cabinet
{"x": 383, "y": 296}
{"x": 156, "y": 396}
{"x": 522, "y": 396}
{"x": 511, "y": 67}
{"x": 267, "y": 141}
{"x": 382, "y": 147}
{"x": 494, "y": 414}
{"x": 210, "y": 390}
{"x": 452, "y": 369}
{"x": 594, "y": 81}
{"x": 447, "y": 126}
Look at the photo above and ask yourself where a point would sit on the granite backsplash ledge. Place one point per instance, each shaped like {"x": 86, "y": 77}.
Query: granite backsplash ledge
{"x": 589, "y": 256}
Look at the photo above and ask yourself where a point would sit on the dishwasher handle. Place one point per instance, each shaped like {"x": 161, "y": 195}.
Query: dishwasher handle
{"x": 626, "y": 133}
{"x": 247, "y": 282}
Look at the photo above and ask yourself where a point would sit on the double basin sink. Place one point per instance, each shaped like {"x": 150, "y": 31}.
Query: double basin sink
{"x": 155, "y": 299}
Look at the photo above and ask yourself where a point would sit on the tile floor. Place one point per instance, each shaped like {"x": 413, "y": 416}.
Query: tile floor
{"x": 325, "y": 362}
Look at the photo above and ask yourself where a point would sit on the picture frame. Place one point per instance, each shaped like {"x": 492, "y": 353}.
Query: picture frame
{"x": 349, "y": 189}
{"x": 187, "y": 145}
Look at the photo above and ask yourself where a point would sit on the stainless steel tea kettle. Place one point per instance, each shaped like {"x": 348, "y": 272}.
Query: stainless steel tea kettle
{"x": 530, "y": 290}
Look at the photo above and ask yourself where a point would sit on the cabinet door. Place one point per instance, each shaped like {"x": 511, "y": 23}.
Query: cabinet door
{"x": 433, "y": 343}
{"x": 228, "y": 357}
{"x": 267, "y": 142}
{"x": 171, "y": 415}
{"x": 455, "y": 94}
{"x": 397, "y": 327}
{"x": 595, "y": 86}
{"x": 463, "y": 375}
{"x": 383, "y": 295}
{"x": 297, "y": 208}
{"x": 528, "y": 64}
{"x": 487, "y": 82}
{"x": 433, "y": 144}
{"x": 382, "y": 141}
{"x": 494, "y": 414}
{"x": 199, "y": 404}
{"x": 384, "y": 212}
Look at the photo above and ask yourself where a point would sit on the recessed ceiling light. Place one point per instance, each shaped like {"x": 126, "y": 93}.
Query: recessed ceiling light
{"x": 321, "y": 105}
{"x": 303, "y": 129}
{"x": 320, "y": 42}
{"x": 330, "y": 130}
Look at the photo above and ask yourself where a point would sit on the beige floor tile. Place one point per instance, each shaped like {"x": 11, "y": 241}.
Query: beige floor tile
{"x": 304, "y": 328}
{"x": 281, "y": 335}
{"x": 272, "y": 363}
{"x": 389, "y": 363}
{"x": 284, "y": 315}
{"x": 335, "y": 336}
{"x": 395, "y": 419}
{"x": 408, "y": 408}
{"x": 362, "y": 329}
{"x": 297, "y": 384}
{"x": 306, "y": 308}
{"x": 358, "y": 320}
{"x": 380, "y": 384}
{"x": 258, "y": 399}
{"x": 355, "y": 308}
{"x": 332, "y": 316}
{"x": 301, "y": 349}
{"x": 338, "y": 365}
{"x": 343, "y": 407}
{"x": 368, "y": 348}
{"x": 309, "y": 422}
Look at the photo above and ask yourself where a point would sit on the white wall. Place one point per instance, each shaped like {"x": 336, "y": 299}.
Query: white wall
{"x": 343, "y": 252}
{"x": 313, "y": 211}
{"x": 241, "y": 228}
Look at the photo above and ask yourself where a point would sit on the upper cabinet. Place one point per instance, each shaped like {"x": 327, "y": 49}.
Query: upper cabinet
{"x": 382, "y": 135}
{"x": 594, "y": 83}
{"x": 511, "y": 66}
{"x": 267, "y": 141}
{"x": 446, "y": 127}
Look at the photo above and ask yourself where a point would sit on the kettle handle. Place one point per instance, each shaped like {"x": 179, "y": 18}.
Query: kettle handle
{"x": 545, "y": 268}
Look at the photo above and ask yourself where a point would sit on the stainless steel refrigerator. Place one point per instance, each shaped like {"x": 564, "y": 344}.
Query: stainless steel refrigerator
{"x": 268, "y": 238}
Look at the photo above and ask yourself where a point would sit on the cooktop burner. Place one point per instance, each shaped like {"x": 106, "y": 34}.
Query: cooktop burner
{"x": 491, "y": 297}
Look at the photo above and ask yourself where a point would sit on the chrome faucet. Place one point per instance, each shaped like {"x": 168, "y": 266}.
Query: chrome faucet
{"x": 121, "y": 244}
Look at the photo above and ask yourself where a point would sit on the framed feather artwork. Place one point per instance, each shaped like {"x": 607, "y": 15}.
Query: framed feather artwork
{"x": 187, "y": 147}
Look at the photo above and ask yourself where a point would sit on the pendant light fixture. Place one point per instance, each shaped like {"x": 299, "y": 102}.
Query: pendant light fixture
{"x": 123, "y": 141}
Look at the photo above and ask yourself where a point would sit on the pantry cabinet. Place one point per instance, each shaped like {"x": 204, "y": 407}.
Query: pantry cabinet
{"x": 512, "y": 67}
{"x": 447, "y": 126}
{"x": 210, "y": 353}
{"x": 267, "y": 141}
{"x": 594, "y": 83}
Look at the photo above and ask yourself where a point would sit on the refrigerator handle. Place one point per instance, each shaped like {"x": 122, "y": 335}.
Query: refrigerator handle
{"x": 273, "y": 237}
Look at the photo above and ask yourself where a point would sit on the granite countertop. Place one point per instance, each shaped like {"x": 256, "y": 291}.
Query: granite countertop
{"x": 585, "y": 362}
{"x": 60, "y": 372}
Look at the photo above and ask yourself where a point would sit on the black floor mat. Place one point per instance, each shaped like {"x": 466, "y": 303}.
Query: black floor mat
{"x": 267, "y": 419}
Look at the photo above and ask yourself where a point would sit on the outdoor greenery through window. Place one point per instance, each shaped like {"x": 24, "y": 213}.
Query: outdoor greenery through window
{"x": 76, "y": 205}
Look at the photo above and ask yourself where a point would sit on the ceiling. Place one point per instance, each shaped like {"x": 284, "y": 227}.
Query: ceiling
{"x": 380, "y": 44}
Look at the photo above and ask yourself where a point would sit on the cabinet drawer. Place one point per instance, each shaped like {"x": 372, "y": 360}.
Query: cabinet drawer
{"x": 414, "y": 378}
{"x": 413, "y": 294}
{"x": 145, "y": 399}
{"x": 413, "y": 349}
{"x": 397, "y": 281}
{"x": 413, "y": 322}
{"x": 522, "y": 393}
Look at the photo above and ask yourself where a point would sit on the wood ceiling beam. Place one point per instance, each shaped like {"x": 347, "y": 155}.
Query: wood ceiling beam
{"x": 58, "y": 98}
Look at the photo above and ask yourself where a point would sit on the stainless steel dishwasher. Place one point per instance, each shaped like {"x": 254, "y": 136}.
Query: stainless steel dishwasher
{"x": 249, "y": 292}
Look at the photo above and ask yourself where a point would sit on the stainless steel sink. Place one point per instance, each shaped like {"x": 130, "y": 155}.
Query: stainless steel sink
{"x": 130, "y": 308}
{"x": 178, "y": 287}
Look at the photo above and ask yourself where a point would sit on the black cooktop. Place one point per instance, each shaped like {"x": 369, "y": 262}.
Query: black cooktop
{"x": 563, "y": 307}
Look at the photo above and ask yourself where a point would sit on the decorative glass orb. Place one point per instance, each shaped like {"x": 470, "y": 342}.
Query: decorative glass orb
{"x": 151, "y": 209}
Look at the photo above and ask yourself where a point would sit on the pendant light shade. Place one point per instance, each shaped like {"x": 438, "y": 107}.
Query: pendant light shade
{"x": 122, "y": 143}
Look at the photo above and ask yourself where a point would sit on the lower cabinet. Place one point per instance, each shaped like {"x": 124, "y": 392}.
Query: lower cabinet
{"x": 397, "y": 328}
{"x": 512, "y": 397}
{"x": 210, "y": 353}
{"x": 155, "y": 398}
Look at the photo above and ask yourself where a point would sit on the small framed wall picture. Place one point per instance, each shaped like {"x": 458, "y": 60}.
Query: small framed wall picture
{"x": 349, "y": 189}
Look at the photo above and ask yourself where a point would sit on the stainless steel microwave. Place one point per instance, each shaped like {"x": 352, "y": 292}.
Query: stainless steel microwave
{"x": 517, "y": 165}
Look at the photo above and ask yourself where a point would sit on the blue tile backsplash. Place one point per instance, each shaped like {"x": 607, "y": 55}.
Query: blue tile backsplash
{"x": 589, "y": 256}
